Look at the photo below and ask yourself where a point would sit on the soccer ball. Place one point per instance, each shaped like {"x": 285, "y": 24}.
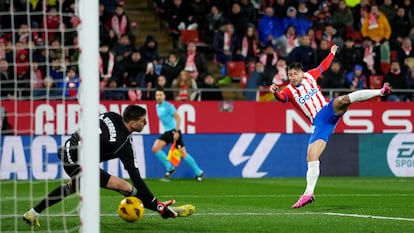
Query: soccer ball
{"x": 131, "y": 209}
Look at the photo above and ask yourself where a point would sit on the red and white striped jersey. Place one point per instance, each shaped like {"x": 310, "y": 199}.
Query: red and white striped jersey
{"x": 307, "y": 97}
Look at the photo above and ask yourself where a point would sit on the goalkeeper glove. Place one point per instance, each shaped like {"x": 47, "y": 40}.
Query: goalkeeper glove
{"x": 164, "y": 209}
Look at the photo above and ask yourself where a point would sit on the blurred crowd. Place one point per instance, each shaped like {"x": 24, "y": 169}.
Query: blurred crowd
{"x": 39, "y": 47}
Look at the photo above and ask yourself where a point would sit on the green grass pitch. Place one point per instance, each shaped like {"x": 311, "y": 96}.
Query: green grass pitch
{"x": 343, "y": 204}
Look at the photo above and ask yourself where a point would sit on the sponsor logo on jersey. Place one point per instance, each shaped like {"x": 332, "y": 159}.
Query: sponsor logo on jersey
{"x": 307, "y": 96}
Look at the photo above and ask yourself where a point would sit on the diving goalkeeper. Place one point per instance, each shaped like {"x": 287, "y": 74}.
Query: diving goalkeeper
{"x": 115, "y": 142}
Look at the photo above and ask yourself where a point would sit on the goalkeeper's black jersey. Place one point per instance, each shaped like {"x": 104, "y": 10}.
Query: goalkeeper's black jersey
{"x": 115, "y": 140}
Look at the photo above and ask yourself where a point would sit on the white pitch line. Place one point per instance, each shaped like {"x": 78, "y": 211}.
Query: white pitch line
{"x": 369, "y": 216}
{"x": 218, "y": 214}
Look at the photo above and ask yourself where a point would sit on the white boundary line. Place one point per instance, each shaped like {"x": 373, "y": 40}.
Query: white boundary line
{"x": 254, "y": 214}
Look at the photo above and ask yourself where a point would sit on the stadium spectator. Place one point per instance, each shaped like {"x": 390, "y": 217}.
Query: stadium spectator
{"x": 349, "y": 55}
{"x": 301, "y": 25}
{"x": 109, "y": 5}
{"x": 56, "y": 71}
{"x": 226, "y": 45}
{"x": 332, "y": 35}
{"x": 403, "y": 52}
{"x": 7, "y": 90}
{"x": 48, "y": 91}
{"x": 290, "y": 40}
{"x": 195, "y": 62}
{"x": 388, "y": 9}
{"x": 322, "y": 15}
{"x": 239, "y": 20}
{"x": 270, "y": 30}
{"x": 180, "y": 16}
{"x": 312, "y": 37}
{"x": 322, "y": 50}
{"x": 50, "y": 25}
{"x": 122, "y": 48}
{"x": 185, "y": 88}
{"x": 113, "y": 91}
{"x": 253, "y": 82}
{"x": 214, "y": 20}
{"x": 343, "y": 19}
{"x": 137, "y": 73}
{"x": 22, "y": 67}
{"x": 36, "y": 77}
{"x": 249, "y": 46}
{"x": 71, "y": 85}
{"x": 149, "y": 50}
{"x": 280, "y": 8}
{"x": 334, "y": 77}
{"x": 370, "y": 56}
{"x": 356, "y": 80}
{"x": 304, "y": 12}
{"x": 172, "y": 67}
{"x": 23, "y": 34}
{"x": 161, "y": 82}
{"x": 400, "y": 28}
{"x": 223, "y": 5}
{"x": 209, "y": 89}
{"x": 119, "y": 23}
{"x": 248, "y": 9}
{"x": 303, "y": 54}
{"x": 200, "y": 9}
{"x": 106, "y": 64}
{"x": 103, "y": 19}
{"x": 3, "y": 49}
{"x": 377, "y": 27}
{"x": 397, "y": 80}
{"x": 269, "y": 57}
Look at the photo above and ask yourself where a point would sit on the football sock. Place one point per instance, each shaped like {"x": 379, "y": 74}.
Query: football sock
{"x": 163, "y": 158}
{"x": 312, "y": 176}
{"x": 54, "y": 197}
{"x": 190, "y": 161}
{"x": 363, "y": 95}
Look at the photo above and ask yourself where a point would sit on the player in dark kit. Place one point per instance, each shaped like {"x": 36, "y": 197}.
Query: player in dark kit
{"x": 115, "y": 142}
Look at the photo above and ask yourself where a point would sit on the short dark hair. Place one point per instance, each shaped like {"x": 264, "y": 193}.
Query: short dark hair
{"x": 295, "y": 66}
{"x": 160, "y": 89}
{"x": 133, "y": 112}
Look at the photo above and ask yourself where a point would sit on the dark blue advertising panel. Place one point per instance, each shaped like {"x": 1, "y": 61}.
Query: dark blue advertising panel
{"x": 219, "y": 155}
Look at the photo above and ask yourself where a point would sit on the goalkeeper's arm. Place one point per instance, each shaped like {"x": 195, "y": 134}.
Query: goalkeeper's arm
{"x": 147, "y": 198}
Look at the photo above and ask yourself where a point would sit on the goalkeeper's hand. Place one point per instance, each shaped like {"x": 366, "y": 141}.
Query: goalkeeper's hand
{"x": 164, "y": 209}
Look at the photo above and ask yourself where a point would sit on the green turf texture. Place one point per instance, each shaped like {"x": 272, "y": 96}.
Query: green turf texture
{"x": 343, "y": 204}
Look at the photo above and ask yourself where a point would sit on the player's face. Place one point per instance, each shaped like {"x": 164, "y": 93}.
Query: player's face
{"x": 159, "y": 96}
{"x": 295, "y": 76}
{"x": 139, "y": 124}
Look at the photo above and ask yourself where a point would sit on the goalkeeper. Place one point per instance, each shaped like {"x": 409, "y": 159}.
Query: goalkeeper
{"x": 115, "y": 142}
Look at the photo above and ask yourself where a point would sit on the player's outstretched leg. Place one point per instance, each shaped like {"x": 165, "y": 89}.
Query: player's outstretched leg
{"x": 32, "y": 218}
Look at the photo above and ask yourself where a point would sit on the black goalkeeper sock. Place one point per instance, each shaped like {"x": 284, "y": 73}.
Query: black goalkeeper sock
{"x": 54, "y": 197}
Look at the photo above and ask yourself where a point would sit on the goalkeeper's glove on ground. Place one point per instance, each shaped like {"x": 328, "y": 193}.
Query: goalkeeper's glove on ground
{"x": 164, "y": 209}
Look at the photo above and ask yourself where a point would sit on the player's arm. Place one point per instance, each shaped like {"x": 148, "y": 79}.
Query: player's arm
{"x": 324, "y": 66}
{"x": 147, "y": 198}
{"x": 177, "y": 121}
{"x": 279, "y": 95}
